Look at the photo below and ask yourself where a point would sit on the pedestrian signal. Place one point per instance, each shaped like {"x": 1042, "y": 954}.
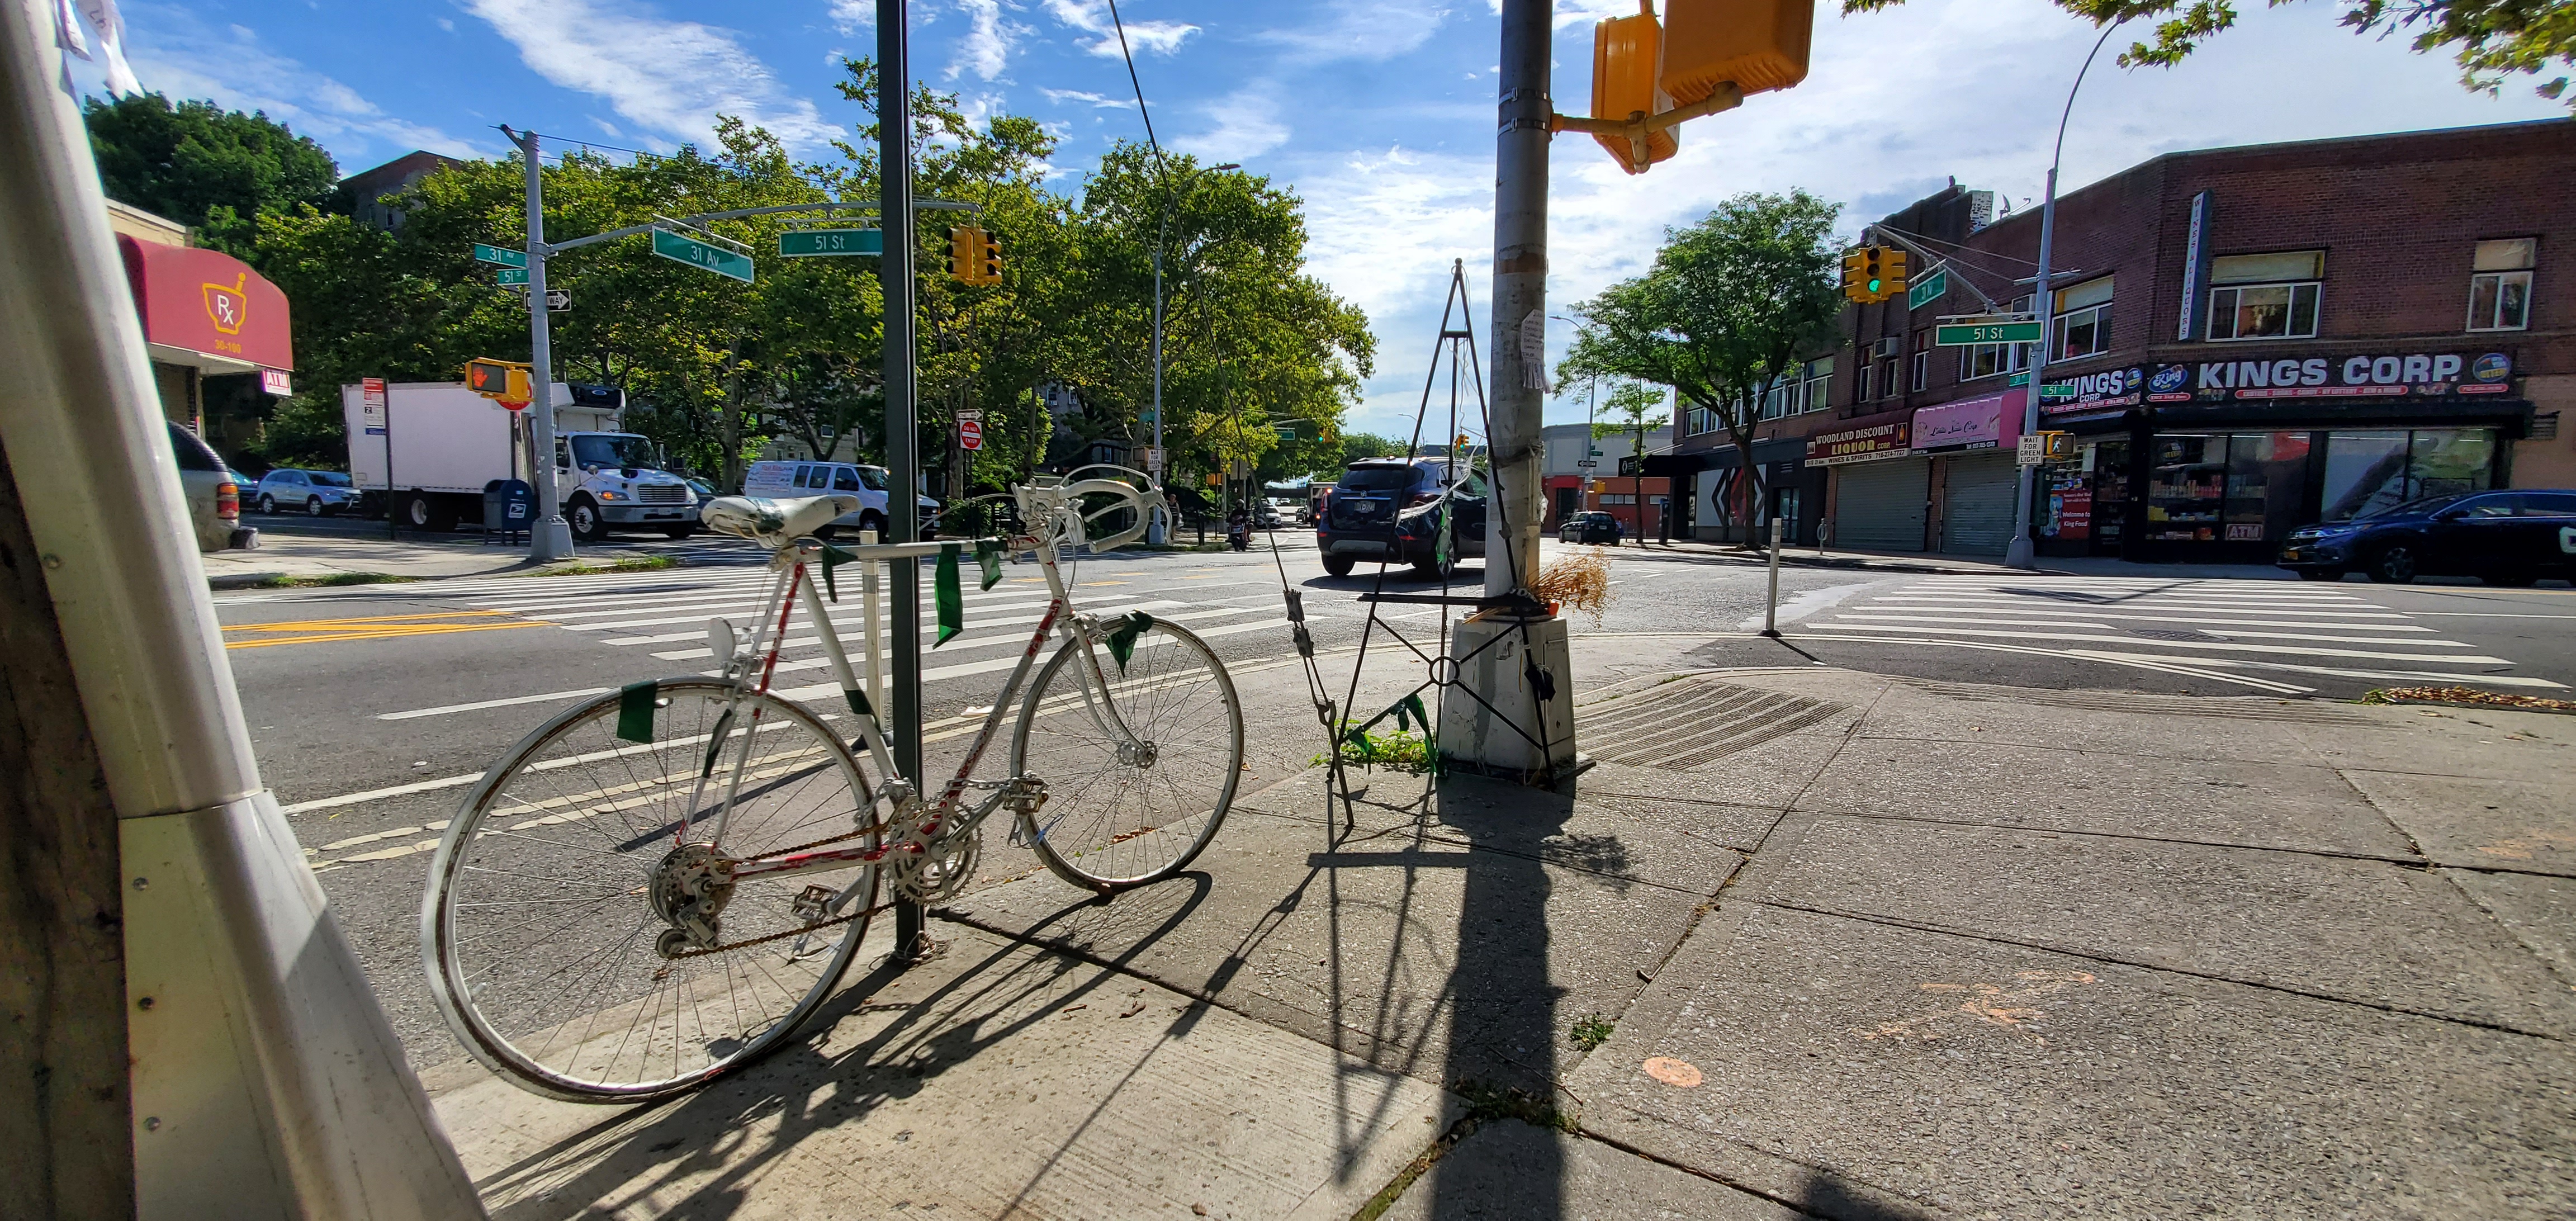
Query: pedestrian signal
{"x": 499, "y": 380}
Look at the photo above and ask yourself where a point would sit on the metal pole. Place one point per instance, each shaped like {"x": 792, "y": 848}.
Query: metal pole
{"x": 551, "y": 538}
{"x": 903, "y": 504}
{"x": 389, "y": 459}
{"x": 1154, "y": 530}
{"x": 1520, "y": 294}
{"x": 252, "y": 1072}
{"x": 1771, "y": 607}
{"x": 2022, "y": 553}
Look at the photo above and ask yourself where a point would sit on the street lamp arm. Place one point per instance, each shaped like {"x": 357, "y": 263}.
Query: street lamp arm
{"x": 2058, "y": 153}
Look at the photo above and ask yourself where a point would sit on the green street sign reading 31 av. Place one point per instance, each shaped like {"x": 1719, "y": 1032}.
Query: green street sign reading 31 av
{"x": 499, "y": 254}
{"x": 799, "y": 243}
{"x": 1986, "y": 332}
{"x": 705, "y": 255}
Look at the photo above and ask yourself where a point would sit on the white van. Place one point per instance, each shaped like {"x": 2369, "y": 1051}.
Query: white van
{"x": 792, "y": 480}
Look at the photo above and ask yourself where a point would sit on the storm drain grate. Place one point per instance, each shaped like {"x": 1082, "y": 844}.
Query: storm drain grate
{"x": 1678, "y": 726}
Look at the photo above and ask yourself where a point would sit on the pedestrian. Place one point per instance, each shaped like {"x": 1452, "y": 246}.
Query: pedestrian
{"x": 1664, "y": 520}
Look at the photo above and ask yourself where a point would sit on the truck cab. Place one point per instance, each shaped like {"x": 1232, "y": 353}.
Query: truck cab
{"x": 614, "y": 481}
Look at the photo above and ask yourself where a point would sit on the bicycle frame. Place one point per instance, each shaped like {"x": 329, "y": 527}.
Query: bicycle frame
{"x": 794, "y": 583}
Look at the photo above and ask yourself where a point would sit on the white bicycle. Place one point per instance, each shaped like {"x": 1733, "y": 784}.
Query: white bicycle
{"x": 661, "y": 884}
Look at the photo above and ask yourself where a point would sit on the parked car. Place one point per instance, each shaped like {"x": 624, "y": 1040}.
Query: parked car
{"x": 2503, "y": 538}
{"x": 1390, "y": 508}
{"x": 783, "y": 480}
{"x": 1589, "y": 527}
{"x": 313, "y": 493}
{"x": 214, "y": 499}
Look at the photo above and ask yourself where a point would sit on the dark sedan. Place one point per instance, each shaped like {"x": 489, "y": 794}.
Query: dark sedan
{"x": 1591, "y": 527}
{"x": 2504, "y": 538}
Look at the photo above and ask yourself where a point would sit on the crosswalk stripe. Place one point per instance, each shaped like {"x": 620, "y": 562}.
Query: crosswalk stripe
{"x": 2203, "y": 625}
{"x": 2185, "y": 644}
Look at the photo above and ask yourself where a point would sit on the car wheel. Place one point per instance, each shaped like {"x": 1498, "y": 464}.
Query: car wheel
{"x": 268, "y": 504}
{"x": 1337, "y": 565}
{"x": 876, "y": 522}
{"x": 313, "y": 506}
{"x": 1434, "y": 568}
{"x": 2320, "y": 574}
{"x": 2513, "y": 580}
{"x": 583, "y": 516}
{"x": 677, "y": 533}
{"x": 2394, "y": 565}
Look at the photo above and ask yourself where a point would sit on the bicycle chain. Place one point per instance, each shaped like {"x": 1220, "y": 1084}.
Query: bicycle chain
{"x": 793, "y": 932}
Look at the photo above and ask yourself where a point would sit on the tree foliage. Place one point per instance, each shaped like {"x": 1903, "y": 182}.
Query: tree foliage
{"x": 196, "y": 163}
{"x": 2492, "y": 40}
{"x": 1730, "y": 304}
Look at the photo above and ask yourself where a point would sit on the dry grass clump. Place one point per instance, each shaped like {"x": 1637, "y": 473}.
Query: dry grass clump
{"x": 1578, "y": 582}
{"x": 2467, "y": 696}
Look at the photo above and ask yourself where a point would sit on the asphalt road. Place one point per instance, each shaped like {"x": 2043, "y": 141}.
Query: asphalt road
{"x": 373, "y": 708}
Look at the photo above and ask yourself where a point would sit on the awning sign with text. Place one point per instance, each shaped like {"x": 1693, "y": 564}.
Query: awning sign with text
{"x": 2103, "y": 391}
{"x": 1889, "y": 440}
{"x": 1978, "y": 423}
{"x": 2330, "y": 377}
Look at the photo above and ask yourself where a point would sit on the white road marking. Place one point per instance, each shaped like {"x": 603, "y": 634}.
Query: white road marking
{"x": 2187, "y": 644}
{"x": 479, "y": 705}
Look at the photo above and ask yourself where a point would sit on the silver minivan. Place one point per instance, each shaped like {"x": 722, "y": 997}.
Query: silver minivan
{"x": 313, "y": 493}
{"x": 782, "y": 480}
{"x": 214, "y": 500}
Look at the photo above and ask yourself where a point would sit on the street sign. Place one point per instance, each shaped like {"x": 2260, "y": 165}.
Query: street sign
{"x": 1588, "y": 463}
{"x": 512, "y": 275}
{"x": 2057, "y": 392}
{"x": 558, "y": 300}
{"x": 499, "y": 254}
{"x": 2018, "y": 380}
{"x": 971, "y": 413}
{"x": 1286, "y": 432}
{"x": 1927, "y": 290}
{"x": 970, "y": 435}
{"x": 801, "y": 243}
{"x": 707, "y": 255}
{"x": 372, "y": 391}
{"x": 1965, "y": 334}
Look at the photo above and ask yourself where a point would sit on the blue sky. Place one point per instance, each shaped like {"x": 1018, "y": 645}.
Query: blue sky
{"x": 1379, "y": 112}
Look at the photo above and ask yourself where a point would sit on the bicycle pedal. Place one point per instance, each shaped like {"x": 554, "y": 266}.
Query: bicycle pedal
{"x": 813, "y": 903}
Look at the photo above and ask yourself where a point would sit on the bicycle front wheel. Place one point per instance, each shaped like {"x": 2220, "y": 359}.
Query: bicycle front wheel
{"x": 1131, "y": 798}
{"x": 546, "y": 929}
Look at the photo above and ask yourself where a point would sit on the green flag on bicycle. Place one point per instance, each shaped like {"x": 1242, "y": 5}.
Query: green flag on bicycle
{"x": 988, "y": 555}
{"x": 952, "y": 603}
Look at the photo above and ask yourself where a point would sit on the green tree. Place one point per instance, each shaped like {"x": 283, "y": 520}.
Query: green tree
{"x": 1634, "y": 407}
{"x": 2492, "y": 40}
{"x": 1730, "y": 304}
{"x": 196, "y": 163}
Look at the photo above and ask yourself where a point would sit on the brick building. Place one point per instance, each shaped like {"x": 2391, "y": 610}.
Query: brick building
{"x": 2247, "y": 340}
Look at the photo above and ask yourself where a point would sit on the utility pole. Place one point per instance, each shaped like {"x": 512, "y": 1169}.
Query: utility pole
{"x": 550, "y": 539}
{"x": 903, "y": 504}
{"x": 1154, "y": 517}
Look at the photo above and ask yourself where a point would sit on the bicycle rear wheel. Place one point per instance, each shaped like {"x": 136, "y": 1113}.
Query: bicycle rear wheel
{"x": 540, "y": 932}
{"x": 1120, "y": 815}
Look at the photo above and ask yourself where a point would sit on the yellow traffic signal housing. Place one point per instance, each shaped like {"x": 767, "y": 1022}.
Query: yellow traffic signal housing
{"x": 1856, "y": 275}
{"x": 2057, "y": 446}
{"x": 988, "y": 262}
{"x": 965, "y": 250}
{"x": 1892, "y": 266}
{"x": 1757, "y": 45}
{"x": 499, "y": 380}
{"x": 1873, "y": 273}
{"x": 1625, "y": 54}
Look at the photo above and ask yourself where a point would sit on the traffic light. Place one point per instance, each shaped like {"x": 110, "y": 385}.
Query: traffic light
{"x": 1892, "y": 263}
{"x": 1873, "y": 273}
{"x": 964, "y": 251}
{"x": 988, "y": 265}
{"x": 1755, "y": 45}
{"x": 498, "y": 380}
{"x": 1856, "y": 275}
{"x": 1625, "y": 51}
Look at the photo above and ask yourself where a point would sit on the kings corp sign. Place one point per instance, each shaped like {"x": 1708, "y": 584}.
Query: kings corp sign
{"x": 2418, "y": 374}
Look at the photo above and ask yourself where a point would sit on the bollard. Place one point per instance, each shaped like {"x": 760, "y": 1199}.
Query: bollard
{"x": 870, "y": 609}
{"x": 1771, "y": 607}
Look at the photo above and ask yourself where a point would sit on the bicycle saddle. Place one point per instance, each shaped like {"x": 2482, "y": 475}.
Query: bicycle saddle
{"x": 774, "y": 523}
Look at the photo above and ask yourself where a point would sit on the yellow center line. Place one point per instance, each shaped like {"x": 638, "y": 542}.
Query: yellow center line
{"x": 1087, "y": 584}
{"x": 280, "y": 625}
{"x": 388, "y": 632}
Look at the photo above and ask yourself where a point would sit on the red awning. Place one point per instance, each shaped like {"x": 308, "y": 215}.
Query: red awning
{"x": 207, "y": 309}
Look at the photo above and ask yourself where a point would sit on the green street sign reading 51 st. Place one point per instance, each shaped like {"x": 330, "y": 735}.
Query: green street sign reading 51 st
{"x": 797, "y": 243}
{"x": 1986, "y": 332}
{"x": 700, "y": 254}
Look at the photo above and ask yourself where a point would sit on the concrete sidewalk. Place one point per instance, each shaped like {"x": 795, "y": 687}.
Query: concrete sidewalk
{"x": 1962, "y": 565}
{"x": 1804, "y": 942}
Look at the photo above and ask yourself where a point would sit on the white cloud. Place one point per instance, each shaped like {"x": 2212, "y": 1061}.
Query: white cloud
{"x": 1103, "y": 101}
{"x": 176, "y": 54}
{"x": 1247, "y": 124}
{"x": 986, "y": 47}
{"x": 447, "y": 25}
{"x": 1358, "y": 29}
{"x": 1143, "y": 37}
{"x": 854, "y": 15}
{"x": 672, "y": 77}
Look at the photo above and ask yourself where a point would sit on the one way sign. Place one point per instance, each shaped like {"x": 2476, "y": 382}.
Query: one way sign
{"x": 558, "y": 300}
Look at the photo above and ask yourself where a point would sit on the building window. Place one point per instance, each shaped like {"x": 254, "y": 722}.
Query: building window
{"x": 1990, "y": 359}
{"x": 1922, "y": 360}
{"x": 1867, "y": 388}
{"x": 2500, "y": 288}
{"x": 1702, "y": 420}
{"x": 2081, "y": 323}
{"x": 2265, "y": 296}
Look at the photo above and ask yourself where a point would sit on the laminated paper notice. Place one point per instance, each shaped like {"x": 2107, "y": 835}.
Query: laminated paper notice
{"x": 1534, "y": 350}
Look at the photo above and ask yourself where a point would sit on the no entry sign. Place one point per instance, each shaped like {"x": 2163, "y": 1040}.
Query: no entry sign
{"x": 970, "y": 434}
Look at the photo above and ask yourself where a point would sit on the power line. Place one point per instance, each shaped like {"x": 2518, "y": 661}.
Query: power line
{"x": 1139, "y": 86}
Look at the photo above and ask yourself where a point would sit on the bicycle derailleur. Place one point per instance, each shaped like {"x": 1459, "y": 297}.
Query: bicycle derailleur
{"x": 689, "y": 889}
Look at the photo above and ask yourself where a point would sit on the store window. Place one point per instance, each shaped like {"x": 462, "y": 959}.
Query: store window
{"x": 2082, "y": 325}
{"x": 2265, "y": 296}
{"x": 2110, "y": 493}
{"x": 2226, "y": 487}
{"x": 2366, "y": 472}
{"x": 2500, "y": 284}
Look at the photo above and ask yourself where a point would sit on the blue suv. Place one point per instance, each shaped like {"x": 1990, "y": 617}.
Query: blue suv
{"x": 1391, "y": 509}
{"x": 2503, "y": 538}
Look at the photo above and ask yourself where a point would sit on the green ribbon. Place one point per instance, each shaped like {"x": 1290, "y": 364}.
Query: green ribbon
{"x": 635, "y": 703}
{"x": 1440, "y": 539}
{"x": 833, "y": 557}
{"x": 1122, "y": 639}
{"x": 988, "y": 554}
{"x": 952, "y": 603}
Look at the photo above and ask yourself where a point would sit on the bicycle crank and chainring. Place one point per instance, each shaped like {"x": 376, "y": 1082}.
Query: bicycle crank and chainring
{"x": 689, "y": 888}
{"x": 930, "y": 867}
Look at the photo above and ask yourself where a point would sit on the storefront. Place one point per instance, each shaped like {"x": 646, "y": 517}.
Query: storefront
{"x": 205, "y": 314}
{"x": 2219, "y": 461}
{"x": 1879, "y": 489}
{"x": 1971, "y": 476}
{"x": 1722, "y": 506}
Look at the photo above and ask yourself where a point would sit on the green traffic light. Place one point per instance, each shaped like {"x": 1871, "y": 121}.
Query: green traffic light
{"x": 1873, "y": 285}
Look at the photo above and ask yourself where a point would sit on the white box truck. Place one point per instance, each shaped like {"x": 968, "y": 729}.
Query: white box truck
{"x": 444, "y": 443}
